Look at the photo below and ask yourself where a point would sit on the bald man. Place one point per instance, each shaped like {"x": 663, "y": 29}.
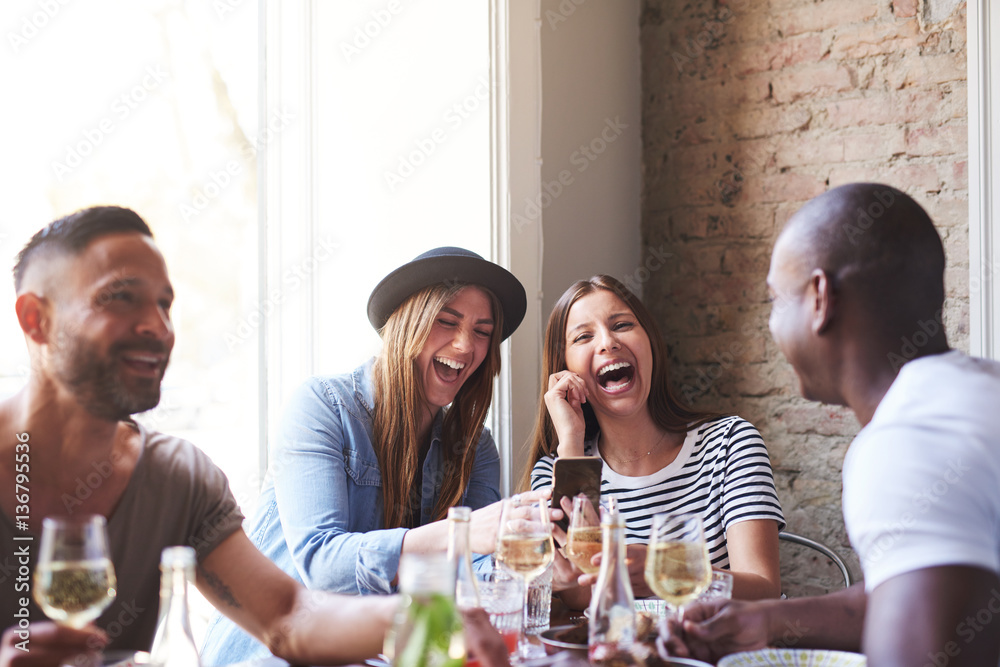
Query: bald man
{"x": 93, "y": 301}
{"x": 857, "y": 279}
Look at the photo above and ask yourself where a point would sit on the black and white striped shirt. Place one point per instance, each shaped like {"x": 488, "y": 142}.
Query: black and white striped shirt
{"x": 721, "y": 472}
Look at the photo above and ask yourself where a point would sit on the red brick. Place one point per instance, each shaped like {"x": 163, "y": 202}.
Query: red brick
{"x": 931, "y": 70}
{"x": 914, "y": 178}
{"x": 783, "y": 188}
{"x": 816, "y": 148}
{"x": 948, "y": 213}
{"x": 904, "y": 8}
{"x": 817, "y": 17}
{"x": 960, "y": 175}
{"x": 875, "y": 39}
{"x": 766, "y": 56}
{"x": 880, "y": 145}
{"x": 767, "y": 121}
{"x": 948, "y": 139}
{"x": 886, "y": 108}
{"x": 818, "y": 80}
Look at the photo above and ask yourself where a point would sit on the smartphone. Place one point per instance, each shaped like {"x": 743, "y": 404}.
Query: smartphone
{"x": 573, "y": 475}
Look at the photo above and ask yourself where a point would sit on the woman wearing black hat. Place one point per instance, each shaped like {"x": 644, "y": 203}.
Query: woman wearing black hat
{"x": 369, "y": 462}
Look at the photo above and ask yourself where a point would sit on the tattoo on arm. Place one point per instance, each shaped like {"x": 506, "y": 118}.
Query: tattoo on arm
{"x": 218, "y": 587}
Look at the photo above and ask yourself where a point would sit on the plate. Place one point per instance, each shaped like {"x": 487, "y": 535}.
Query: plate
{"x": 790, "y": 657}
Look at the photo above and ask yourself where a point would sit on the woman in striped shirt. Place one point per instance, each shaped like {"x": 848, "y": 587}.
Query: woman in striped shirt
{"x": 608, "y": 395}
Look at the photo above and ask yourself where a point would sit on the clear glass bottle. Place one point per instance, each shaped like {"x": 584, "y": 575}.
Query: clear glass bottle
{"x": 612, "y": 605}
{"x": 427, "y": 630}
{"x": 173, "y": 645}
{"x": 460, "y": 557}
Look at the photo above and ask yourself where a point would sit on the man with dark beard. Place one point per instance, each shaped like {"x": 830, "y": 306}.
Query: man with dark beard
{"x": 93, "y": 301}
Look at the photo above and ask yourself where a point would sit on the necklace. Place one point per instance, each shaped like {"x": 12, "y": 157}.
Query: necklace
{"x": 642, "y": 456}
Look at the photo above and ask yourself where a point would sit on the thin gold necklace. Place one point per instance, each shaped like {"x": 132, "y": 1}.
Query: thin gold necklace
{"x": 623, "y": 461}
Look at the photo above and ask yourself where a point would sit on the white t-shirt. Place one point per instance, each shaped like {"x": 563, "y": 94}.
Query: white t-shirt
{"x": 922, "y": 479}
{"x": 722, "y": 472}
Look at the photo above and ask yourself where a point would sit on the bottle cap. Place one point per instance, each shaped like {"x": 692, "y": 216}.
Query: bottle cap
{"x": 177, "y": 557}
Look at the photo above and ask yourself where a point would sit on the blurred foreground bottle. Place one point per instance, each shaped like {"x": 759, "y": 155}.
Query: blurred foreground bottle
{"x": 427, "y": 630}
{"x": 460, "y": 558}
{"x": 173, "y": 645}
{"x": 612, "y": 605}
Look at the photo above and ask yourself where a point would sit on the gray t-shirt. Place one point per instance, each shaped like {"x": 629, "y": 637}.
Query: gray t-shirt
{"x": 176, "y": 496}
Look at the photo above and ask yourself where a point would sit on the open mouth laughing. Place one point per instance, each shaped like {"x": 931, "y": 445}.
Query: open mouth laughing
{"x": 616, "y": 377}
{"x": 448, "y": 369}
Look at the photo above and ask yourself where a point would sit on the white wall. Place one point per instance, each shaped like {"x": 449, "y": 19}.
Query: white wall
{"x": 588, "y": 205}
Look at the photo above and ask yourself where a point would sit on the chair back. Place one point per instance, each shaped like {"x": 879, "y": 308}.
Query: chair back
{"x": 809, "y": 567}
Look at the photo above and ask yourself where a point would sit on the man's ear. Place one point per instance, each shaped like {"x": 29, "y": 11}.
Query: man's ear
{"x": 824, "y": 301}
{"x": 32, "y": 315}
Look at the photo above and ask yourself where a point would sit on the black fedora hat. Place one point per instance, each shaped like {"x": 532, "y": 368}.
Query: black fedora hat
{"x": 448, "y": 265}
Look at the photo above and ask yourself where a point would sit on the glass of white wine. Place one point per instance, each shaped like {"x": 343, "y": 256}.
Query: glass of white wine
{"x": 677, "y": 565}
{"x": 583, "y": 541}
{"x": 74, "y": 578}
{"x": 524, "y": 546}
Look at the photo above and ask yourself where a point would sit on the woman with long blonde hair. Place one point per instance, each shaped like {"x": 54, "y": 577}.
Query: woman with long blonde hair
{"x": 369, "y": 462}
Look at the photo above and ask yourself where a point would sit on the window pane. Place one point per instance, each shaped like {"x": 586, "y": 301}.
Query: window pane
{"x": 150, "y": 105}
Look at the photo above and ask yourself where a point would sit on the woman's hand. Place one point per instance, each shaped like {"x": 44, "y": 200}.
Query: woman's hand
{"x": 635, "y": 561}
{"x": 564, "y": 400}
{"x": 484, "y": 523}
{"x": 50, "y": 645}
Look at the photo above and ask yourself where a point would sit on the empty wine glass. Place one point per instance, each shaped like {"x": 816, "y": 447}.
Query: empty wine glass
{"x": 677, "y": 565}
{"x": 524, "y": 545}
{"x": 74, "y": 579}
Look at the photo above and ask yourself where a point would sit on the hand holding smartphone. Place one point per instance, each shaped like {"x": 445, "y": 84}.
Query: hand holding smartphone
{"x": 573, "y": 475}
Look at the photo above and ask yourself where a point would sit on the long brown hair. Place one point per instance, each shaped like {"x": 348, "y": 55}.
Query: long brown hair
{"x": 399, "y": 394}
{"x": 668, "y": 411}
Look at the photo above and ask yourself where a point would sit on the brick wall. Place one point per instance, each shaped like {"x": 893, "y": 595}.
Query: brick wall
{"x": 749, "y": 109}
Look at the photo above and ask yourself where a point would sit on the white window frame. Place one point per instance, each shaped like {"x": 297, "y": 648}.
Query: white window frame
{"x": 984, "y": 179}
{"x": 288, "y": 193}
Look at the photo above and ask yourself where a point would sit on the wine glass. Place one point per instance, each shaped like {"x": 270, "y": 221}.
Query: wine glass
{"x": 524, "y": 545}
{"x": 677, "y": 565}
{"x": 583, "y": 541}
{"x": 74, "y": 578}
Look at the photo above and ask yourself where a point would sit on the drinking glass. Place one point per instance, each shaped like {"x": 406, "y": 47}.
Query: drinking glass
{"x": 524, "y": 545}
{"x": 503, "y": 600}
{"x": 677, "y": 565}
{"x": 584, "y": 537}
{"x": 74, "y": 579}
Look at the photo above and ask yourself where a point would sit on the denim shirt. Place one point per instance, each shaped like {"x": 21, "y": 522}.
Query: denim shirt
{"x": 319, "y": 515}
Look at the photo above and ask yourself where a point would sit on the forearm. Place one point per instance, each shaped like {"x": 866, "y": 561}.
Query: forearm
{"x": 325, "y": 629}
{"x": 752, "y": 586}
{"x": 832, "y": 621}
